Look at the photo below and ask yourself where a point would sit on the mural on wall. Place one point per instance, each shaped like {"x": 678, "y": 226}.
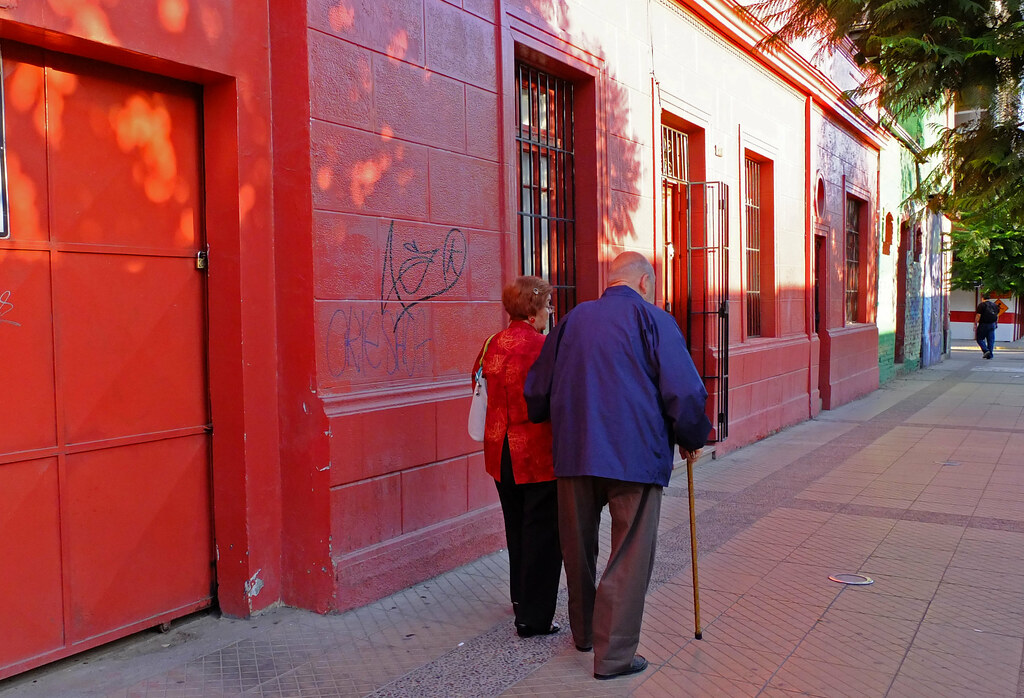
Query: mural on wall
{"x": 392, "y": 338}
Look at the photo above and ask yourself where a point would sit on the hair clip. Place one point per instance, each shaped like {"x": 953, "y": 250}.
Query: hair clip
{"x": 536, "y": 291}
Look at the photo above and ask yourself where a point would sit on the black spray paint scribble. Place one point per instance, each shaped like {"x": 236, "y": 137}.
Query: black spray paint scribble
{"x": 5, "y": 307}
{"x": 406, "y": 286}
{"x": 393, "y": 339}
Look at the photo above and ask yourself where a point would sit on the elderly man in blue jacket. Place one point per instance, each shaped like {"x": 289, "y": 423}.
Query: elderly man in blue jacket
{"x": 618, "y": 384}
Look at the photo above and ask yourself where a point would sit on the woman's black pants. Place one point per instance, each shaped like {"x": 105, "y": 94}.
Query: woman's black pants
{"x": 535, "y": 557}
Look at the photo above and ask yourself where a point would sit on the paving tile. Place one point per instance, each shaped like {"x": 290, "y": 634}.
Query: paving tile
{"x": 913, "y": 553}
{"x": 894, "y": 633}
{"x": 969, "y": 643}
{"x": 569, "y": 674}
{"x": 670, "y": 681}
{"x": 759, "y": 623}
{"x": 835, "y": 648}
{"x": 836, "y": 558}
{"x": 904, "y": 687}
{"x": 729, "y": 661}
{"x": 976, "y": 617}
{"x": 991, "y": 557}
{"x": 969, "y": 673}
{"x": 757, "y": 550}
{"x": 925, "y": 535}
{"x": 669, "y": 608}
{"x": 829, "y": 680}
{"x": 877, "y": 566}
{"x": 983, "y": 578}
{"x": 730, "y": 573}
{"x": 798, "y": 583}
{"x": 659, "y": 647}
{"x": 854, "y": 600}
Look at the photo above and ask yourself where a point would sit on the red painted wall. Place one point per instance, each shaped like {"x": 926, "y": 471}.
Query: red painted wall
{"x": 849, "y": 346}
{"x": 361, "y": 196}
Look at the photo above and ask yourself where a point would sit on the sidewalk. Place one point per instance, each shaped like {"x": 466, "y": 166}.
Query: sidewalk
{"x": 919, "y": 486}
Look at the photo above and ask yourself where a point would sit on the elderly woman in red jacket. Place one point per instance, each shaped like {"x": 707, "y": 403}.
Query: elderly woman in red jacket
{"x": 517, "y": 454}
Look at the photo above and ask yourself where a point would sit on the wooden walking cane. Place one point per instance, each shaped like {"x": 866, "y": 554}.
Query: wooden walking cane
{"x": 691, "y": 458}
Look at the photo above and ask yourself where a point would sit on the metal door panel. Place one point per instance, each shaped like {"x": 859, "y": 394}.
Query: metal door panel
{"x": 131, "y": 348}
{"x": 31, "y": 606}
{"x": 25, "y": 125}
{"x": 138, "y": 524}
{"x": 26, "y": 339}
{"x": 124, "y": 159}
{"x": 107, "y": 528}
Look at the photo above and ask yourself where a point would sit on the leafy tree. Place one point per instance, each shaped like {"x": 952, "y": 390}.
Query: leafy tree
{"x": 988, "y": 252}
{"x": 923, "y": 55}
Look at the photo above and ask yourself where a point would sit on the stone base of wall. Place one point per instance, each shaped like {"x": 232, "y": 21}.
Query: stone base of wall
{"x": 373, "y": 573}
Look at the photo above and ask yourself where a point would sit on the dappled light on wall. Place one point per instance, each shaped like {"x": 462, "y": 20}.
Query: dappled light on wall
{"x": 341, "y": 17}
{"x": 173, "y": 15}
{"x": 399, "y": 45}
{"x": 88, "y": 19}
{"x": 23, "y": 89}
{"x": 213, "y": 23}
{"x": 24, "y": 208}
{"x": 365, "y": 176}
{"x": 58, "y": 86}
{"x": 246, "y": 201}
{"x": 145, "y": 127}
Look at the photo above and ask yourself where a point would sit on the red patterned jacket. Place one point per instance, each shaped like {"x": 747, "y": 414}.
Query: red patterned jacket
{"x": 509, "y": 357}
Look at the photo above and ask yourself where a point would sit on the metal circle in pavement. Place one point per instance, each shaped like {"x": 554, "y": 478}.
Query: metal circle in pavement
{"x": 856, "y": 579}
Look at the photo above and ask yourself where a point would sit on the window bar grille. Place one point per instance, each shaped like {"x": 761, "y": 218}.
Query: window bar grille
{"x": 752, "y": 209}
{"x": 674, "y": 179}
{"x": 673, "y": 154}
{"x": 547, "y": 180}
{"x": 852, "y": 259}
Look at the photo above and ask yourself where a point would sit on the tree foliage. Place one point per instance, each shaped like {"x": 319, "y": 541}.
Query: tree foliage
{"x": 988, "y": 252}
{"x": 924, "y": 55}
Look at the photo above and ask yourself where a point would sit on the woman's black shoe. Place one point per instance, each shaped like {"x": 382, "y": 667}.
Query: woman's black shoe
{"x": 527, "y": 631}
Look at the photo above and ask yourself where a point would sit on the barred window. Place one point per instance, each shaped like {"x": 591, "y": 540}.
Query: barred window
{"x": 752, "y": 218}
{"x": 853, "y": 216}
{"x": 544, "y": 139}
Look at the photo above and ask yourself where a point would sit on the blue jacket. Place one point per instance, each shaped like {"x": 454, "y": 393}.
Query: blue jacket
{"x": 620, "y": 388}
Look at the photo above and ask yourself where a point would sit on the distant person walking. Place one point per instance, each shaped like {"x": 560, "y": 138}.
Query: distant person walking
{"x": 986, "y": 319}
{"x": 517, "y": 454}
{"x": 619, "y": 386}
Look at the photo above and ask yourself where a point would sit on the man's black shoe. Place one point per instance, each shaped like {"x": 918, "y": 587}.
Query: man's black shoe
{"x": 988, "y": 355}
{"x": 638, "y": 664}
{"x": 527, "y": 631}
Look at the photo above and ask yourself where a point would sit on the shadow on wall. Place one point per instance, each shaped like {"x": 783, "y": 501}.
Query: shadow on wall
{"x": 407, "y": 145}
{"x": 50, "y": 94}
{"x": 617, "y": 143}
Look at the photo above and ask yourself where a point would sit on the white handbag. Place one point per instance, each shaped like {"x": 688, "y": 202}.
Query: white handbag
{"x": 478, "y": 406}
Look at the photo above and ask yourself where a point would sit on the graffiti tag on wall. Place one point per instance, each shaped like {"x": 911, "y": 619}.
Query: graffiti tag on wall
{"x": 7, "y": 306}
{"x": 393, "y": 340}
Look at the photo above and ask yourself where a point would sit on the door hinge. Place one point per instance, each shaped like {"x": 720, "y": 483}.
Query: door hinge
{"x": 202, "y": 259}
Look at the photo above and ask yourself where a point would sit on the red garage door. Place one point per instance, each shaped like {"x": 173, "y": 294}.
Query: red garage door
{"x": 105, "y": 522}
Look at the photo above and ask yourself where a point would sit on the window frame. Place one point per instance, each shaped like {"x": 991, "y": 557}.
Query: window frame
{"x": 547, "y": 190}
{"x": 763, "y": 324}
{"x": 854, "y": 285}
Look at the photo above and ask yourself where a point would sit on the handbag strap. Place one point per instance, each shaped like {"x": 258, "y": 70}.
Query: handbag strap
{"x": 483, "y": 353}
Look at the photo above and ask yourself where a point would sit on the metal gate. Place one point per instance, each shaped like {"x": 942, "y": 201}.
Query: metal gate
{"x": 707, "y": 294}
{"x": 105, "y": 509}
